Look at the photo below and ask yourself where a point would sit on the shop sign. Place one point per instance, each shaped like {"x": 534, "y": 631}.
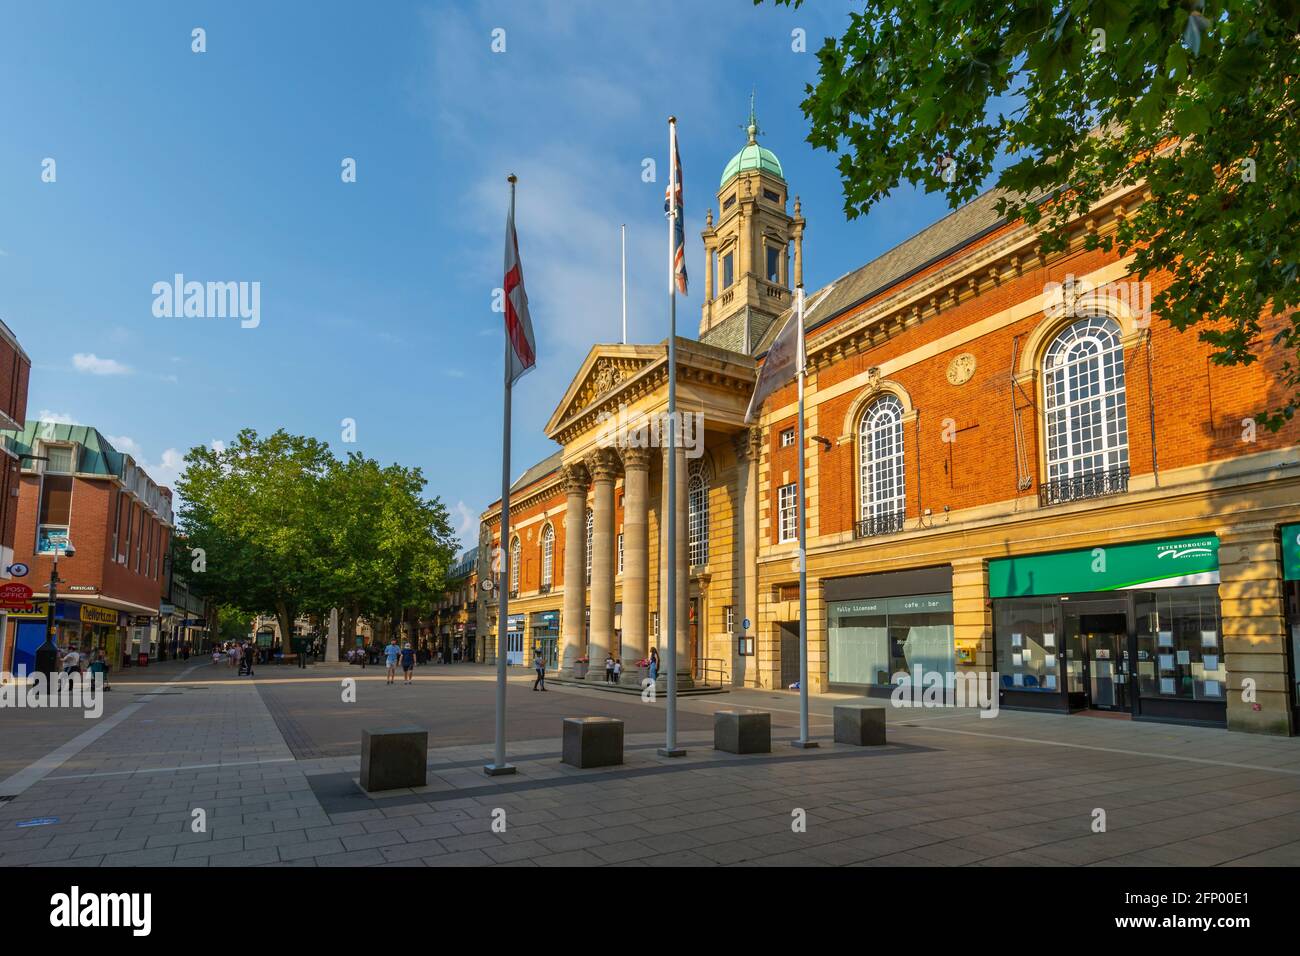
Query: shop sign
{"x": 549, "y": 618}
{"x": 515, "y": 622}
{"x": 37, "y": 610}
{"x": 15, "y": 594}
{"x": 911, "y": 604}
{"x": 1176, "y": 562}
{"x": 1291, "y": 552}
{"x": 90, "y": 614}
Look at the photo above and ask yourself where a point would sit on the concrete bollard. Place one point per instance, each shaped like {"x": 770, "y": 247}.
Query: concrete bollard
{"x": 593, "y": 741}
{"x": 742, "y": 731}
{"x": 393, "y": 758}
{"x": 860, "y": 725}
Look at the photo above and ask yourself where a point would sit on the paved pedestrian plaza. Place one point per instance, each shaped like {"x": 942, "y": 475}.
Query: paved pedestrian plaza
{"x": 272, "y": 764}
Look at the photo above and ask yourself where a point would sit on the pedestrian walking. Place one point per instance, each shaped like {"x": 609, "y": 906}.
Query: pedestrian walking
{"x": 654, "y": 663}
{"x": 539, "y": 665}
{"x": 408, "y": 663}
{"x": 391, "y": 654}
{"x": 609, "y": 669}
{"x": 618, "y": 669}
{"x": 72, "y": 662}
{"x": 99, "y": 670}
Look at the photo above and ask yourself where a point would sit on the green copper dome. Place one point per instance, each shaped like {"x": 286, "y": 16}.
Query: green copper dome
{"x": 752, "y": 156}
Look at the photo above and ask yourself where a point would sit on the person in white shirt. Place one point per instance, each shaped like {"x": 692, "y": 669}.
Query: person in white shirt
{"x": 72, "y": 661}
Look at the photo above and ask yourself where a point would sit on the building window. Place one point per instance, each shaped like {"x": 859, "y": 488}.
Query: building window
{"x": 773, "y": 264}
{"x": 59, "y": 459}
{"x": 548, "y": 555}
{"x": 787, "y": 508}
{"x": 55, "y": 513}
{"x": 881, "y": 479}
{"x": 1086, "y": 412}
{"x": 729, "y": 615}
{"x": 697, "y": 515}
{"x": 654, "y": 624}
{"x": 787, "y": 437}
{"x": 870, "y": 641}
{"x": 728, "y": 274}
{"x": 771, "y": 196}
{"x": 620, "y": 552}
{"x": 728, "y": 202}
{"x": 125, "y": 557}
{"x": 591, "y": 519}
{"x": 117, "y": 523}
{"x": 514, "y": 566}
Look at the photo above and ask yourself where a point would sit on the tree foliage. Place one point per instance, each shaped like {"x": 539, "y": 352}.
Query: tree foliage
{"x": 1195, "y": 98}
{"x": 287, "y": 528}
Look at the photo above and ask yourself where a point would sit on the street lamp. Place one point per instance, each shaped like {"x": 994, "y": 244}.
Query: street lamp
{"x": 47, "y": 655}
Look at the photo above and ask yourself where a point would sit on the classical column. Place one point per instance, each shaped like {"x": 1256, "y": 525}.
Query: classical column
{"x": 575, "y": 565}
{"x": 603, "y": 470}
{"x": 636, "y": 559}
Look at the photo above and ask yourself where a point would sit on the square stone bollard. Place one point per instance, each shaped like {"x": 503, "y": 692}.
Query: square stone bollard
{"x": 742, "y": 731}
{"x": 394, "y": 757}
{"x": 593, "y": 741}
{"x": 860, "y": 725}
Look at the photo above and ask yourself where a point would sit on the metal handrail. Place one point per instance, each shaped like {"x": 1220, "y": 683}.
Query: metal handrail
{"x": 1092, "y": 484}
{"x": 889, "y": 522}
{"x": 707, "y": 667}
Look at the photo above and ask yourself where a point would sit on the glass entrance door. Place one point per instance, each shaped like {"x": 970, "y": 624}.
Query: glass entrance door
{"x": 1097, "y": 654}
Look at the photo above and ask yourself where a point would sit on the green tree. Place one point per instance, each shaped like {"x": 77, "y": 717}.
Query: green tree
{"x": 1195, "y": 98}
{"x": 252, "y": 509}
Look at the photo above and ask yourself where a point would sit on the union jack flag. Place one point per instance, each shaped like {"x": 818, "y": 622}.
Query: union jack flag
{"x": 673, "y": 196}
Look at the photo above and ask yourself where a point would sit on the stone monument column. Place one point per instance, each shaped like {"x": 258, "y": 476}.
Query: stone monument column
{"x": 575, "y": 566}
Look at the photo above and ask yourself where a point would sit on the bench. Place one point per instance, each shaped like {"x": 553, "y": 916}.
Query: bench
{"x": 742, "y": 731}
{"x": 593, "y": 741}
{"x": 394, "y": 758}
{"x": 860, "y": 725}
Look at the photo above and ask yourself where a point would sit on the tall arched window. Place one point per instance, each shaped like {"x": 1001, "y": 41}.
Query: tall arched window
{"x": 882, "y": 486}
{"x": 591, "y": 522}
{"x": 514, "y": 565}
{"x": 548, "y": 555}
{"x": 1086, "y": 412}
{"x": 697, "y": 512}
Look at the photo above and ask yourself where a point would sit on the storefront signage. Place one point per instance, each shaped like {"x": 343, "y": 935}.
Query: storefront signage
{"x": 1117, "y": 567}
{"x": 912, "y": 604}
{"x": 515, "y": 622}
{"x": 90, "y": 614}
{"x": 15, "y": 594}
{"x": 1291, "y": 552}
{"x": 37, "y": 610}
{"x": 549, "y": 619}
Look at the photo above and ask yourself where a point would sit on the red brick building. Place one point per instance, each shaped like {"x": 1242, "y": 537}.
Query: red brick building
{"x": 76, "y": 487}
{"x": 1015, "y": 471}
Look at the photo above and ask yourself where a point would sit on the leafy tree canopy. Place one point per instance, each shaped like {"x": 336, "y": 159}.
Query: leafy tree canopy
{"x": 1195, "y": 98}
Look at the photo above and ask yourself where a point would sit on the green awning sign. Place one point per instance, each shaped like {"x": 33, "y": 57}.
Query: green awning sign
{"x": 1291, "y": 552}
{"x": 1118, "y": 567}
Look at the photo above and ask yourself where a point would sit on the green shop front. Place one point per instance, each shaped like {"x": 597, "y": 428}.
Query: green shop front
{"x": 1125, "y": 629}
{"x": 1290, "y": 534}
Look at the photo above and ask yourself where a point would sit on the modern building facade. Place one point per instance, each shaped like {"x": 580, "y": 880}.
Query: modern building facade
{"x": 1013, "y": 467}
{"x": 76, "y": 488}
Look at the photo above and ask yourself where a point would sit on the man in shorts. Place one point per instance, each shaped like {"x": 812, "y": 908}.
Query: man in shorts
{"x": 391, "y": 653}
{"x": 408, "y": 663}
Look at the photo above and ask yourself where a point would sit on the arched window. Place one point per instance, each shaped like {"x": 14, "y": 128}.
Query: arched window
{"x": 514, "y": 565}
{"x": 591, "y": 522}
{"x": 882, "y": 488}
{"x": 548, "y": 555}
{"x": 697, "y": 512}
{"x": 1086, "y": 412}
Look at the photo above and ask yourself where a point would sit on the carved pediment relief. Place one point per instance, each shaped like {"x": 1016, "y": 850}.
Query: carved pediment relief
{"x": 605, "y": 376}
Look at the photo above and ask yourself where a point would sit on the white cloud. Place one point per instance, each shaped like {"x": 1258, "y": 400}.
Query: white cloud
{"x": 466, "y": 522}
{"x": 218, "y": 445}
{"x": 92, "y": 363}
{"x": 60, "y": 418}
{"x": 127, "y": 444}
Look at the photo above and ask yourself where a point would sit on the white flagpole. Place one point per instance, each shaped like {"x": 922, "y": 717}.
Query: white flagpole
{"x": 670, "y": 748}
{"x": 499, "y": 767}
{"x": 803, "y": 740}
{"x": 622, "y": 232}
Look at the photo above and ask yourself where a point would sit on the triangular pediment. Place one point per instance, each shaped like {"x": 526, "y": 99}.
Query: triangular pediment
{"x": 605, "y": 371}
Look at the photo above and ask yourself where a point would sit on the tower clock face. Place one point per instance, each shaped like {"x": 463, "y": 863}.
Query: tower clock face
{"x": 961, "y": 368}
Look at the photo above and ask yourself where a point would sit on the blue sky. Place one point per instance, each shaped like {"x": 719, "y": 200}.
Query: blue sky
{"x": 375, "y": 295}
